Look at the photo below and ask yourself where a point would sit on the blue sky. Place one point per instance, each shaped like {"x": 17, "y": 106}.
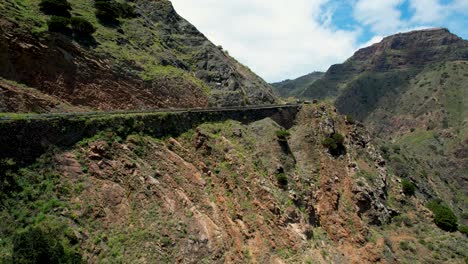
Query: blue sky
{"x": 281, "y": 39}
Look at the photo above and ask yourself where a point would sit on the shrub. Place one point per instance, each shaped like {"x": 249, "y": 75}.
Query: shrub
{"x": 408, "y": 187}
{"x": 126, "y": 10}
{"x": 463, "y": 229}
{"x": 282, "y": 134}
{"x": 7, "y": 181}
{"x": 110, "y": 11}
{"x": 35, "y": 246}
{"x": 55, "y": 7}
{"x": 81, "y": 26}
{"x": 335, "y": 144}
{"x": 58, "y": 24}
{"x": 282, "y": 179}
{"x": 444, "y": 218}
{"x": 106, "y": 10}
{"x": 339, "y": 139}
{"x": 407, "y": 245}
{"x": 396, "y": 149}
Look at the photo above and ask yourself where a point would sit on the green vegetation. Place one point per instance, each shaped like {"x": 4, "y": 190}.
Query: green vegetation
{"x": 55, "y": 7}
{"x": 407, "y": 246}
{"x": 463, "y": 229}
{"x": 58, "y": 24}
{"x": 108, "y": 11}
{"x": 282, "y": 179}
{"x": 30, "y": 211}
{"x": 408, "y": 187}
{"x": 282, "y": 134}
{"x": 81, "y": 27}
{"x": 334, "y": 143}
{"x": 443, "y": 216}
{"x": 33, "y": 245}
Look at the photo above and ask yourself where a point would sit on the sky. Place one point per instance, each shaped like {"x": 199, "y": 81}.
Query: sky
{"x": 285, "y": 39}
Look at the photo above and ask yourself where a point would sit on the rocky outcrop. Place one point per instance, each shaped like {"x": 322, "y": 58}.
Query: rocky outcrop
{"x": 231, "y": 82}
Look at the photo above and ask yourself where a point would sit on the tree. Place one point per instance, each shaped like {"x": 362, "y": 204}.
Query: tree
{"x": 81, "y": 27}
{"x": 55, "y": 7}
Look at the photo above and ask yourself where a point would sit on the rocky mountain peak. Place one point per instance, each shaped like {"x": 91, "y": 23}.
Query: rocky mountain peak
{"x": 428, "y": 42}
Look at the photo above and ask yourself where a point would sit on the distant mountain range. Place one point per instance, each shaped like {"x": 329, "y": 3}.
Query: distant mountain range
{"x": 295, "y": 87}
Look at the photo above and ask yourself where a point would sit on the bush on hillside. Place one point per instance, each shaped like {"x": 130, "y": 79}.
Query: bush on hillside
{"x": 58, "y": 24}
{"x": 463, "y": 229}
{"x": 282, "y": 179}
{"x": 106, "y": 10}
{"x": 7, "y": 181}
{"x": 408, "y": 187}
{"x": 282, "y": 134}
{"x": 55, "y": 7}
{"x": 110, "y": 11}
{"x": 33, "y": 245}
{"x": 335, "y": 144}
{"x": 81, "y": 27}
{"x": 126, "y": 10}
{"x": 444, "y": 218}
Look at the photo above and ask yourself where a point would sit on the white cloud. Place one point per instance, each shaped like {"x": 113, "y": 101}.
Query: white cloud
{"x": 383, "y": 16}
{"x": 428, "y": 11}
{"x": 434, "y": 12}
{"x": 277, "y": 39}
{"x": 281, "y": 39}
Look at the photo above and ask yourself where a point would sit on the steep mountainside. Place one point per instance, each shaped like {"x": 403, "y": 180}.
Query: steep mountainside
{"x": 153, "y": 59}
{"x": 411, "y": 91}
{"x": 295, "y": 87}
{"x": 390, "y": 64}
{"x": 221, "y": 193}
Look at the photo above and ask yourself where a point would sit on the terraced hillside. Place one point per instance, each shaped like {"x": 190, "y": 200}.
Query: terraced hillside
{"x": 152, "y": 58}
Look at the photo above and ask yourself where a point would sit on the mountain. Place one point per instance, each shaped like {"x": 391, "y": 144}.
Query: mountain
{"x": 153, "y": 58}
{"x": 393, "y": 61}
{"x": 410, "y": 90}
{"x": 154, "y": 187}
{"x": 288, "y": 88}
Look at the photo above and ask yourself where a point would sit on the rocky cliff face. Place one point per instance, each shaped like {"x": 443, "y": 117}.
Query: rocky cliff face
{"x": 214, "y": 194}
{"x": 156, "y": 59}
